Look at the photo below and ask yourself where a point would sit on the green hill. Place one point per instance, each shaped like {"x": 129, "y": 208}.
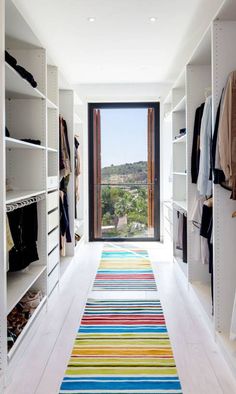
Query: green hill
{"x": 125, "y": 173}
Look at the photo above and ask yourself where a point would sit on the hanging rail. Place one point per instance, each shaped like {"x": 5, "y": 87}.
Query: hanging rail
{"x": 21, "y": 204}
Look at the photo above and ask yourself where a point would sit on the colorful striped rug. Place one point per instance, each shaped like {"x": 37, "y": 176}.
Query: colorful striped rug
{"x": 125, "y": 267}
{"x": 122, "y": 346}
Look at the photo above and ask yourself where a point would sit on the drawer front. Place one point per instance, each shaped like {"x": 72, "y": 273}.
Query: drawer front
{"x": 52, "y": 182}
{"x": 53, "y": 201}
{"x": 53, "y": 239}
{"x": 53, "y": 259}
{"x": 53, "y": 220}
{"x": 53, "y": 279}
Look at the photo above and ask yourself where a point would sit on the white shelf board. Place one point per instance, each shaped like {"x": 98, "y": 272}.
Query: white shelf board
{"x": 52, "y": 150}
{"x": 18, "y": 195}
{"x": 180, "y": 140}
{"x": 181, "y": 204}
{"x": 181, "y": 106}
{"x": 180, "y": 173}
{"x": 203, "y": 293}
{"x": 26, "y": 328}
{"x": 50, "y": 104}
{"x": 13, "y": 143}
{"x": 19, "y": 88}
{"x": 18, "y": 283}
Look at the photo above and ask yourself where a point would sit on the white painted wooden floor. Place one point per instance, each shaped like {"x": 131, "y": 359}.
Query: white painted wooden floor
{"x": 201, "y": 368}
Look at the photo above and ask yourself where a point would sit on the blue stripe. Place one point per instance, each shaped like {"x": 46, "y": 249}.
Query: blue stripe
{"x": 113, "y": 385}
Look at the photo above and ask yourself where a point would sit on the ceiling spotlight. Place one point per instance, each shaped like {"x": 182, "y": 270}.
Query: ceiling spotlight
{"x": 152, "y": 19}
{"x": 91, "y": 19}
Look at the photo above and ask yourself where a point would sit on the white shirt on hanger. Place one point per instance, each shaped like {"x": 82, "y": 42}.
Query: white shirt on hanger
{"x": 204, "y": 185}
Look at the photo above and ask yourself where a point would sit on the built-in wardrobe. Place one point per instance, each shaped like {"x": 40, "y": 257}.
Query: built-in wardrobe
{"x": 201, "y": 83}
{"x": 32, "y": 102}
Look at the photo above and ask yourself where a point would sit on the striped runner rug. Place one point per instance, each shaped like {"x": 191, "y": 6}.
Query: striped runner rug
{"x": 125, "y": 267}
{"x": 122, "y": 346}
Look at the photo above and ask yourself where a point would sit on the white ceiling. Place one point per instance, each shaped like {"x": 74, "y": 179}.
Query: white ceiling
{"x": 122, "y": 45}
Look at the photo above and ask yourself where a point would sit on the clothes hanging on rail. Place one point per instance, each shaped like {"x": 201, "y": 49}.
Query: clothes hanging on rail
{"x": 10, "y": 242}
{"x": 227, "y": 134}
{"x": 23, "y": 224}
{"x": 77, "y": 169}
{"x": 200, "y": 250}
{"x": 65, "y": 164}
{"x": 204, "y": 184}
{"x": 180, "y": 234}
{"x": 216, "y": 170}
{"x": 206, "y": 232}
{"x": 195, "y": 158}
{"x": 65, "y": 171}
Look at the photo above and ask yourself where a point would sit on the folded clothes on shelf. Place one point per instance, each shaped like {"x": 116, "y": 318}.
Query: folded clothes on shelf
{"x": 31, "y": 141}
{"x": 21, "y": 70}
{"x": 20, "y": 315}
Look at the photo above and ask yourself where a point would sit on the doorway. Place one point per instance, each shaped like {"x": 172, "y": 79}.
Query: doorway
{"x": 124, "y": 172}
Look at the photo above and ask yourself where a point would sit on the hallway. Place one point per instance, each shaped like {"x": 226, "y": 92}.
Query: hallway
{"x": 200, "y": 367}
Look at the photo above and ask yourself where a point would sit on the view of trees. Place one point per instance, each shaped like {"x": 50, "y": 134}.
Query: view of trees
{"x": 124, "y": 208}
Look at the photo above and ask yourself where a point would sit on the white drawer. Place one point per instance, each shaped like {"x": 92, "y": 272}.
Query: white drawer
{"x": 52, "y": 182}
{"x": 53, "y": 200}
{"x": 53, "y": 220}
{"x": 53, "y": 239}
{"x": 53, "y": 279}
{"x": 53, "y": 259}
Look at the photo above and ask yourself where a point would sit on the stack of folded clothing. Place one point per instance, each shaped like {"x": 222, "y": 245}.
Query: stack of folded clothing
{"x": 21, "y": 70}
{"x": 20, "y": 315}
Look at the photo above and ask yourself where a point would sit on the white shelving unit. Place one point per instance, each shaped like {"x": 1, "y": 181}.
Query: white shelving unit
{"x": 67, "y": 105}
{"x": 29, "y": 169}
{"x": 208, "y": 67}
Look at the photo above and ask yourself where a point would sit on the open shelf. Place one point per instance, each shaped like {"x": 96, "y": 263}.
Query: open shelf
{"x": 52, "y": 150}
{"x": 17, "y": 87}
{"x": 26, "y": 328}
{"x": 180, "y": 140}
{"x": 181, "y": 204}
{"x": 18, "y": 283}
{"x": 181, "y": 106}
{"x": 18, "y": 195}
{"x": 79, "y": 243}
{"x": 180, "y": 173}
{"x": 13, "y": 143}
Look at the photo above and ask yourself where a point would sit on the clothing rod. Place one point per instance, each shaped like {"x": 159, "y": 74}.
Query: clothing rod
{"x": 23, "y": 203}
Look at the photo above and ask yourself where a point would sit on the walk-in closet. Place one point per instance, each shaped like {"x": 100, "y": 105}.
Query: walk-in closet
{"x": 117, "y": 197}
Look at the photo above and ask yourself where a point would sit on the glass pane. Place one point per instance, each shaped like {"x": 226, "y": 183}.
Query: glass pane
{"x": 125, "y": 211}
{"x": 124, "y": 147}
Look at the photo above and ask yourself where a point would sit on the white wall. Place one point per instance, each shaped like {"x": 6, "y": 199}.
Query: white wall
{"x": 89, "y": 93}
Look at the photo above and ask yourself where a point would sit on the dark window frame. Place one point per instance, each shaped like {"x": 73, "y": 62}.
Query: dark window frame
{"x": 156, "y": 107}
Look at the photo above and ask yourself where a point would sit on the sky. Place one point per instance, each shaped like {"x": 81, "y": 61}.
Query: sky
{"x": 123, "y": 135}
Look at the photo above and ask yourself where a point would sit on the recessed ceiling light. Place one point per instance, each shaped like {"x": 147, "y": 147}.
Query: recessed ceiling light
{"x": 91, "y": 19}
{"x": 152, "y": 19}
